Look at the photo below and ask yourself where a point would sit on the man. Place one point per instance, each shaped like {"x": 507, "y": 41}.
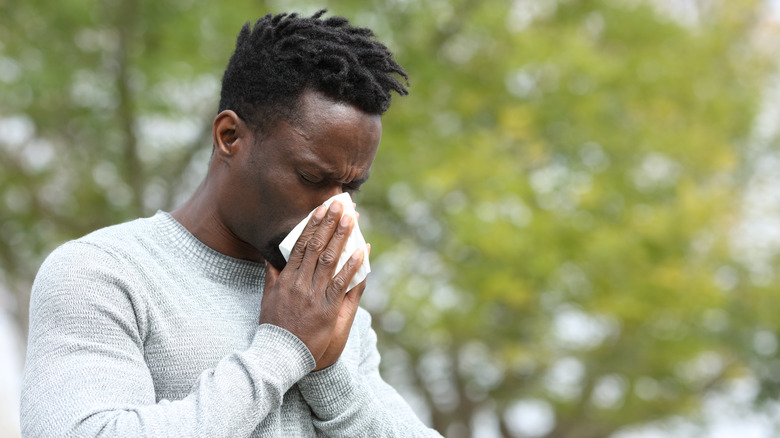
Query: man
{"x": 192, "y": 323}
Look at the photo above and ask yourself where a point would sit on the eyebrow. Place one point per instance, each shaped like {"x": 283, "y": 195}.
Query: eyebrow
{"x": 317, "y": 166}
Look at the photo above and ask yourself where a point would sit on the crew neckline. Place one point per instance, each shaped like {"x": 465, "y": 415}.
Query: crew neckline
{"x": 214, "y": 264}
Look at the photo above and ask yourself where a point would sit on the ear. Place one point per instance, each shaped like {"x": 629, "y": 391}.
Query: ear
{"x": 228, "y": 129}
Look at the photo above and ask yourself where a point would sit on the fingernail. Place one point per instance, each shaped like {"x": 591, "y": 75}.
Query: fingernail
{"x": 357, "y": 255}
{"x": 335, "y": 206}
{"x": 319, "y": 213}
{"x": 345, "y": 221}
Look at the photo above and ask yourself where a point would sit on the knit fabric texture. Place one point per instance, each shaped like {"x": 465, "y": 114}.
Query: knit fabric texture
{"x": 141, "y": 330}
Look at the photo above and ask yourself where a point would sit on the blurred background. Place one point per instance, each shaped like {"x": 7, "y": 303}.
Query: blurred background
{"x": 575, "y": 214}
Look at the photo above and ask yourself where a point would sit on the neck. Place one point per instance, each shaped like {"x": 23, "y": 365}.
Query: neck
{"x": 202, "y": 216}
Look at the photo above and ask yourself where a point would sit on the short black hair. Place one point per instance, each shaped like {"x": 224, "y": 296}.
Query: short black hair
{"x": 285, "y": 55}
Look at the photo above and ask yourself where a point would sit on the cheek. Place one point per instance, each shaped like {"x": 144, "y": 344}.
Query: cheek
{"x": 293, "y": 200}
{"x": 298, "y": 209}
{"x": 281, "y": 200}
{"x": 283, "y": 210}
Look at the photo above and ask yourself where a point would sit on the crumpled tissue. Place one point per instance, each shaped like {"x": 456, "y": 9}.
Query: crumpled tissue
{"x": 354, "y": 241}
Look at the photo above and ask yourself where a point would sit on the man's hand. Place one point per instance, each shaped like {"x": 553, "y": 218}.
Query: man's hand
{"x": 305, "y": 298}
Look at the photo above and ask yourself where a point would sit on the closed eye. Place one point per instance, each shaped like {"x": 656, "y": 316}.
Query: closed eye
{"x": 313, "y": 181}
{"x": 309, "y": 179}
{"x": 351, "y": 187}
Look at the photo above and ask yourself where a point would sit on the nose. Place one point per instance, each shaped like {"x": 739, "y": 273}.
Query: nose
{"x": 336, "y": 189}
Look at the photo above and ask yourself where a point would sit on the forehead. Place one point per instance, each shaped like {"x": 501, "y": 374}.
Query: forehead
{"x": 317, "y": 111}
{"x": 332, "y": 135}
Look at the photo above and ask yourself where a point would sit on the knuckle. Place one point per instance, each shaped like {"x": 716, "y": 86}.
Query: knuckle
{"x": 340, "y": 233}
{"x": 328, "y": 256}
{"x": 316, "y": 243}
{"x": 351, "y": 264}
{"x": 331, "y": 219}
{"x": 298, "y": 290}
{"x": 339, "y": 283}
{"x": 300, "y": 246}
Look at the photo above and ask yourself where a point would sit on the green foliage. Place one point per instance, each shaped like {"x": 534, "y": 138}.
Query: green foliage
{"x": 550, "y": 208}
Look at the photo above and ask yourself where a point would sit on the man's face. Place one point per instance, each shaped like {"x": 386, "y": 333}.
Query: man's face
{"x": 292, "y": 169}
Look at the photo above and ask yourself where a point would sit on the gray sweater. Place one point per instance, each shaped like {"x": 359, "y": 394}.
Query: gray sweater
{"x": 142, "y": 330}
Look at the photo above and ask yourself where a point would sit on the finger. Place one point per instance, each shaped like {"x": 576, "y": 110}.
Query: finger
{"x": 353, "y": 296}
{"x": 350, "y": 305}
{"x": 338, "y": 286}
{"x": 299, "y": 249}
{"x": 356, "y": 292}
{"x": 319, "y": 241}
{"x": 328, "y": 260}
{"x": 271, "y": 275}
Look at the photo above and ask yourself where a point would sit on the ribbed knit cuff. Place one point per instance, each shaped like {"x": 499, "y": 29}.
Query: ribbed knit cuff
{"x": 282, "y": 353}
{"x": 331, "y": 391}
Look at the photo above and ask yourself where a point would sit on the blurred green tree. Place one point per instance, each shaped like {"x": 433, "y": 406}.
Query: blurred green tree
{"x": 550, "y": 210}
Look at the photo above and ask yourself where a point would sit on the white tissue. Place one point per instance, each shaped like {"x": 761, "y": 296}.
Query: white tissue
{"x": 354, "y": 241}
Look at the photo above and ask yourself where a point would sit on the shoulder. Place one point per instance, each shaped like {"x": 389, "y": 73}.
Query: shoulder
{"x": 90, "y": 263}
{"x": 106, "y": 245}
{"x": 114, "y": 238}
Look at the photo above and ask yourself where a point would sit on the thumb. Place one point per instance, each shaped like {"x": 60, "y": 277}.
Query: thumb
{"x": 271, "y": 275}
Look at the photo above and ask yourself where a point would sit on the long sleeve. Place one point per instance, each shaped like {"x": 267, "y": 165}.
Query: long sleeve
{"x": 352, "y": 399}
{"x": 141, "y": 330}
{"x": 87, "y": 372}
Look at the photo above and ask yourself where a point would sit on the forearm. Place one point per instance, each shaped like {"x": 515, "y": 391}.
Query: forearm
{"x": 84, "y": 394}
{"x": 346, "y": 404}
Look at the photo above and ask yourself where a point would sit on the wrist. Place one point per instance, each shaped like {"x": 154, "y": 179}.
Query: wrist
{"x": 329, "y": 390}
